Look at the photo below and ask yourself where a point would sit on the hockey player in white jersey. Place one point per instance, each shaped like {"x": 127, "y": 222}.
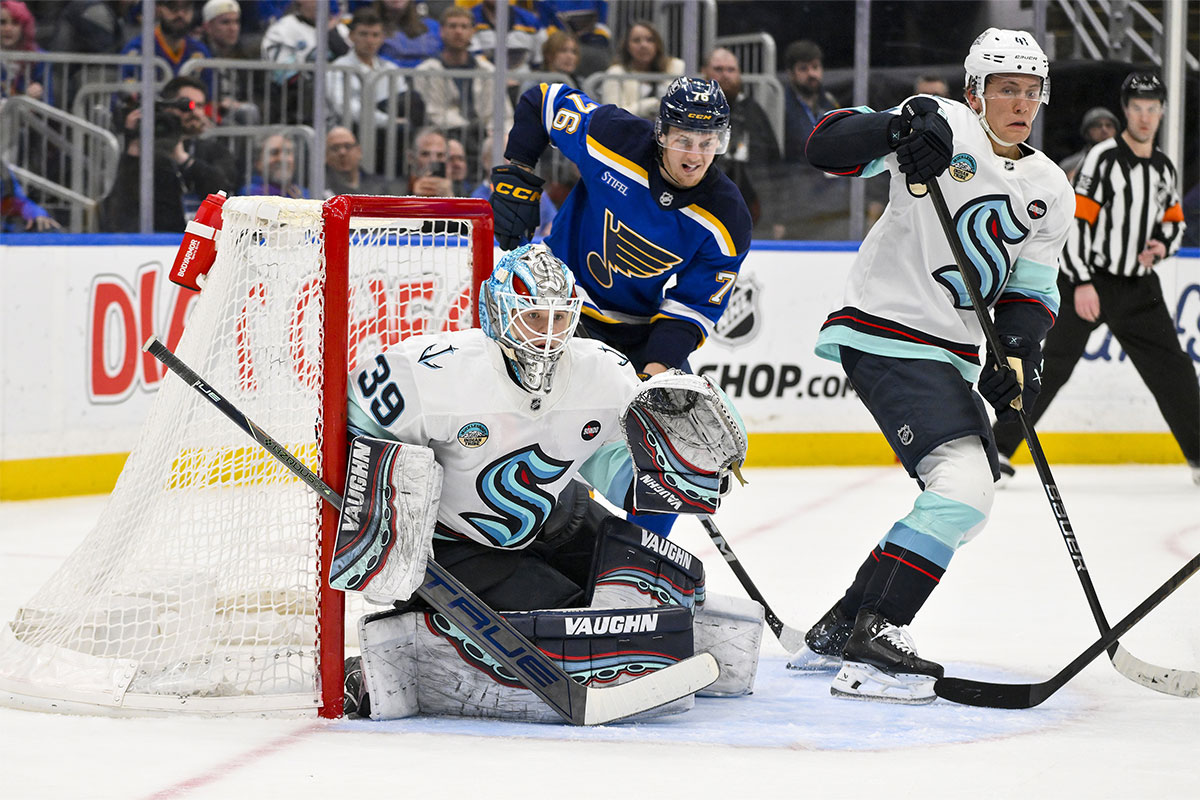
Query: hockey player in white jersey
{"x": 514, "y": 411}
{"x": 908, "y": 338}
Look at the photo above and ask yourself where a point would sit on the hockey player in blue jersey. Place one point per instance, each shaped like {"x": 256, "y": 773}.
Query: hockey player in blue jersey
{"x": 654, "y": 234}
{"x": 908, "y": 338}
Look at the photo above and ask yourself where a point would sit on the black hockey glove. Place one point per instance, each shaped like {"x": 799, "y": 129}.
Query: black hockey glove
{"x": 516, "y": 195}
{"x": 1022, "y": 378}
{"x": 925, "y": 142}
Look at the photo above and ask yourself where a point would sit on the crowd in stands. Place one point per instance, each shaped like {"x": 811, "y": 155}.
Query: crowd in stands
{"x": 417, "y": 76}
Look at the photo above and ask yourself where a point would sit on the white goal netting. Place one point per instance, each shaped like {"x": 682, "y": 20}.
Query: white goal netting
{"x": 199, "y": 588}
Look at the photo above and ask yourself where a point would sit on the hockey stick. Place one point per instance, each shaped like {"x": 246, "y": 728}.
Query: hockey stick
{"x": 789, "y": 637}
{"x": 1028, "y": 695}
{"x": 575, "y": 703}
{"x": 1181, "y": 683}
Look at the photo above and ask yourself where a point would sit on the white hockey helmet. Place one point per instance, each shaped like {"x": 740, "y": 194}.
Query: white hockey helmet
{"x": 530, "y": 308}
{"x": 998, "y": 51}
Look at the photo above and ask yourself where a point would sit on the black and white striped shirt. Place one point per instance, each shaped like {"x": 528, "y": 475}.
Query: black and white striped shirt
{"x": 1121, "y": 202}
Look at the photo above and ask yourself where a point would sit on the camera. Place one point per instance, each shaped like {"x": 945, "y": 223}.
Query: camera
{"x": 438, "y": 169}
{"x": 167, "y": 126}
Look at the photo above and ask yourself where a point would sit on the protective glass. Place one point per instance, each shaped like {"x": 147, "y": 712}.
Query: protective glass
{"x": 691, "y": 140}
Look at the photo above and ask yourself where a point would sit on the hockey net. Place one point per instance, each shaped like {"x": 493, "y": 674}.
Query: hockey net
{"x": 202, "y": 586}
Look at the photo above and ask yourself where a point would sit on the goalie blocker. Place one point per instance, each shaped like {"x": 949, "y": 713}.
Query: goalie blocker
{"x": 685, "y": 438}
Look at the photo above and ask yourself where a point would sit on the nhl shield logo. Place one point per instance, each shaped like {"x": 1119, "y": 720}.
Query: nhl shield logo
{"x": 906, "y": 435}
{"x": 665, "y": 199}
{"x": 743, "y": 317}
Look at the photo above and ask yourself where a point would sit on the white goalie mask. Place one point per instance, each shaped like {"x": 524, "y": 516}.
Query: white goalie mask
{"x": 530, "y": 308}
{"x": 997, "y": 51}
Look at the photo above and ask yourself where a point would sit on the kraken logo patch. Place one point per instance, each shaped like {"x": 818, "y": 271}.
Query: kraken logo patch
{"x": 627, "y": 253}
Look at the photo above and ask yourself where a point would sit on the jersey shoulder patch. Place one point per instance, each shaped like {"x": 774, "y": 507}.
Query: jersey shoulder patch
{"x": 616, "y": 135}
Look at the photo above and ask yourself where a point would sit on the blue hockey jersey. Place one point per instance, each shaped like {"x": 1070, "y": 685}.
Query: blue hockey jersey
{"x": 653, "y": 262}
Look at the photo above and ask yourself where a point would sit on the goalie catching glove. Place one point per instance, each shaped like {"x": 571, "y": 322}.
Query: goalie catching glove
{"x": 516, "y": 205}
{"x": 385, "y": 529}
{"x": 1009, "y": 390}
{"x": 685, "y": 438}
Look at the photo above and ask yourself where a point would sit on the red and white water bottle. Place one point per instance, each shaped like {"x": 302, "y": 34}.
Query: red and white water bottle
{"x": 198, "y": 250}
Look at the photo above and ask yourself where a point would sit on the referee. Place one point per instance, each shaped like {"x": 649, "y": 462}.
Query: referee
{"x": 1127, "y": 219}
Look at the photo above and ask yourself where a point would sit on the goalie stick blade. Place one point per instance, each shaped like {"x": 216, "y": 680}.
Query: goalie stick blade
{"x": 1028, "y": 695}
{"x": 612, "y": 703}
{"x": 1176, "y": 682}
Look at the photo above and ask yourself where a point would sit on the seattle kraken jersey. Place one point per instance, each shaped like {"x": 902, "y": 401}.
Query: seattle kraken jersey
{"x": 905, "y": 297}
{"x": 641, "y": 250}
{"x": 506, "y": 454}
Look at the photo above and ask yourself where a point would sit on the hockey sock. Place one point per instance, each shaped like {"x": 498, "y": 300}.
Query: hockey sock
{"x": 853, "y": 598}
{"x": 900, "y": 584}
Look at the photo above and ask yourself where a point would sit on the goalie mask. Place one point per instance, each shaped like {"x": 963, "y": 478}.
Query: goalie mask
{"x": 1005, "y": 52}
{"x": 530, "y": 308}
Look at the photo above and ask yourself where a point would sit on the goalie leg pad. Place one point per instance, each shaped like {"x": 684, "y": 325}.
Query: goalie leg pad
{"x": 389, "y": 663}
{"x": 731, "y": 629}
{"x": 633, "y": 567}
{"x": 418, "y": 661}
{"x": 385, "y": 530}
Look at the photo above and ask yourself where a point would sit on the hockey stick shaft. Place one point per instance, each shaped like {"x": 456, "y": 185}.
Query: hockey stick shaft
{"x": 1028, "y": 695}
{"x": 488, "y": 629}
{"x": 1182, "y": 683}
{"x": 789, "y": 637}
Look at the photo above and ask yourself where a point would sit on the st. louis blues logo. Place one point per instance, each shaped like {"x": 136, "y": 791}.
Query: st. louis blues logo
{"x": 510, "y": 486}
{"x": 985, "y": 227}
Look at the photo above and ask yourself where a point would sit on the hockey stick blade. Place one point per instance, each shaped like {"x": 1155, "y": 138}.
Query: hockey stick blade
{"x": 574, "y": 702}
{"x": 1027, "y": 695}
{"x": 789, "y": 637}
{"x": 1181, "y": 683}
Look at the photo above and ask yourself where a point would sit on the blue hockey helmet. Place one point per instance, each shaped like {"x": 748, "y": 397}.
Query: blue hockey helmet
{"x": 529, "y": 307}
{"x": 1142, "y": 84}
{"x": 695, "y": 107}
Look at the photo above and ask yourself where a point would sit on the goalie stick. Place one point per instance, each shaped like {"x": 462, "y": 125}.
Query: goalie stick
{"x": 1181, "y": 683}
{"x": 1028, "y": 695}
{"x": 789, "y": 637}
{"x": 574, "y": 702}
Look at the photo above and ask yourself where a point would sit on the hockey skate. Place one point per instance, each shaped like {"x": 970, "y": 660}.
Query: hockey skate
{"x": 822, "y": 648}
{"x": 880, "y": 662}
{"x": 356, "y": 703}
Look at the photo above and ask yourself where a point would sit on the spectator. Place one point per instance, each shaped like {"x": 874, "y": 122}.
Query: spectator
{"x": 92, "y": 26}
{"x": 345, "y": 91}
{"x": 343, "y": 173}
{"x": 642, "y": 50}
{"x": 931, "y": 84}
{"x": 458, "y": 103}
{"x": 209, "y": 166}
{"x": 456, "y": 167}
{"x": 805, "y": 99}
{"x": 222, "y": 25}
{"x": 173, "y": 22}
{"x": 17, "y": 211}
{"x": 1099, "y": 124}
{"x": 292, "y": 38}
{"x": 560, "y": 53}
{"x": 121, "y": 210}
{"x": 275, "y": 169}
{"x": 27, "y": 78}
{"x": 585, "y": 21}
{"x": 409, "y": 36}
{"x": 428, "y": 174}
{"x": 523, "y": 27}
{"x": 752, "y": 148}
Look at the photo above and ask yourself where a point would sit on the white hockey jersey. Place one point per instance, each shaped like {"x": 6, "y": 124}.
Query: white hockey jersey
{"x": 506, "y": 454}
{"x": 905, "y": 297}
